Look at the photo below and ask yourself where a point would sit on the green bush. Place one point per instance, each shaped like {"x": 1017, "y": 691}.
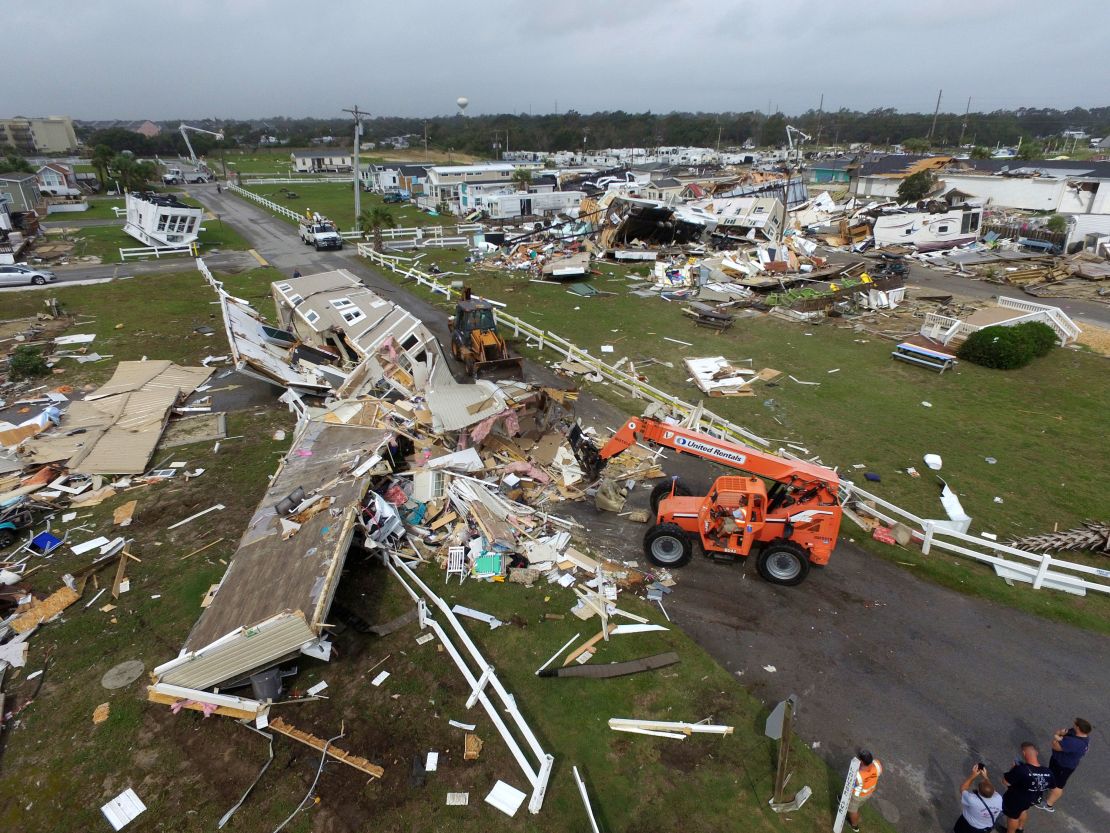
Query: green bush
{"x": 26, "y": 363}
{"x": 1040, "y": 335}
{"x": 1001, "y": 348}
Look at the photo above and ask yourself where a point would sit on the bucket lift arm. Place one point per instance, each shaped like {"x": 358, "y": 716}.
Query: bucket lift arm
{"x": 795, "y": 474}
{"x": 184, "y": 135}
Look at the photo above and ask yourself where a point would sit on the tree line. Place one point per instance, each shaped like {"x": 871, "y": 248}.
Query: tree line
{"x": 487, "y": 135}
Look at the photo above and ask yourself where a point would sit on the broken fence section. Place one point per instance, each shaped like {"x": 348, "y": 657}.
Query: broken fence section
{"x": 710, "y": 423}
{"x": 480, "y": 679}
{"x": 1043, "y": 572}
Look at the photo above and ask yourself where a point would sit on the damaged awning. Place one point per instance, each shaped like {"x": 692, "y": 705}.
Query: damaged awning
{"x": 116, "y": 429}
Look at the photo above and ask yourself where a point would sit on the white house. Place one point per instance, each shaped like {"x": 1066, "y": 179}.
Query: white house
{"x": 162, "y": 220}
{"x": 57, "y": 180}
{"x": 443, "y": 181}
{"x": 325, "y": 161}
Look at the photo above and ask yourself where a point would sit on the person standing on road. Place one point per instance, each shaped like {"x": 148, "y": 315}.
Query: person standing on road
{"x": 1068, "y": 748}
{"x": 867, "y": 778}
{"x": 979, "y": 808}
{"x": 1025, "y": 784}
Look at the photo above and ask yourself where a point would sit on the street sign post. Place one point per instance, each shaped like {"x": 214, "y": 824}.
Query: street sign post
{"x": 846, "y": 795}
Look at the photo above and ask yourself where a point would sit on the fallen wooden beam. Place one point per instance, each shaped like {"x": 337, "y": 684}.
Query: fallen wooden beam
{"x": 224, "y": 705}
{"x": 281, "y": 727}
{"x": 614, "y": 669}
{"x": 622, "y": 724}
{"x": 587, "y": 645}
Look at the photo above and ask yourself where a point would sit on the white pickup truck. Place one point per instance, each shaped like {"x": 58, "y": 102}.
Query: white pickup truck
{"x": 321, "y": 233}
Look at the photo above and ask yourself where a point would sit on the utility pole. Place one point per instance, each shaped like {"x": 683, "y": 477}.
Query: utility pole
{"x": 935, "y": 113}
{"x": 719, "y": 129}
{"x": 820, "y": 113}
{"x": 426, "y": 157}
{"x": 358, "y": 114}
{"x": 963, "y": 126}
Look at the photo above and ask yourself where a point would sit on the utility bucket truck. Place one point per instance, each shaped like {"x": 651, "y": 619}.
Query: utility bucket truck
{"x": 317, "y": 230}
{"x": 787, "y": 511}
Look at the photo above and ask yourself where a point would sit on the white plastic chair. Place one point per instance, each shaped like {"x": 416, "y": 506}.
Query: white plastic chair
{"x": 456, "y": 564}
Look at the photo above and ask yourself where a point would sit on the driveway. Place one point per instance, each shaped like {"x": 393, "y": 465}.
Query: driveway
{"x": 928, "y": 679}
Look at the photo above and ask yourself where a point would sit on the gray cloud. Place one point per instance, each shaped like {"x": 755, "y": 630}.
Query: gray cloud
{"x": 256, "y": 58}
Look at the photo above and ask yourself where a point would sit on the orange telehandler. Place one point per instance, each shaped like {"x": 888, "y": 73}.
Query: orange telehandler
{"x": 794, "y": 523}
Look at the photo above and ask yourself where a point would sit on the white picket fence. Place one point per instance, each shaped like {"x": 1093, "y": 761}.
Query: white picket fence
{"x": 265, "y": 203}
{"x": 443, "y": 236}
{"x": 710, "y": 422}
{"x": 1039, "y": 570}
{"x": 158, "y": 252}
{"x": 306, "y": 179}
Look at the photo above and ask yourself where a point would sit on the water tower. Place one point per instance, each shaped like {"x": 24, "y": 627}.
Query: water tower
{"x": 462, "y": 101}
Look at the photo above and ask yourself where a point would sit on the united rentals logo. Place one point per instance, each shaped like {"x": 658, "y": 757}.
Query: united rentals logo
{"x": 688, "y": 444}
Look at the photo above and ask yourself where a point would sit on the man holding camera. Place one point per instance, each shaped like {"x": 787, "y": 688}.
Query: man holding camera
{"x": 979, "y": 807}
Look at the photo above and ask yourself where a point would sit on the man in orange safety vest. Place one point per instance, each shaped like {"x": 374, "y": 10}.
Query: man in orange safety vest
{"x": 867, "y": 778}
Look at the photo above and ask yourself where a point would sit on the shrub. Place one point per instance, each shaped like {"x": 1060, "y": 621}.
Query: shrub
{"x": 1040, "y": 335}
{"x": 27, "y": 362}
{"x": 1001, "y": 348}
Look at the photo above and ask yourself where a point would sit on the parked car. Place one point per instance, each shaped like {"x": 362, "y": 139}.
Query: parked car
{"x": 21, "y": 273}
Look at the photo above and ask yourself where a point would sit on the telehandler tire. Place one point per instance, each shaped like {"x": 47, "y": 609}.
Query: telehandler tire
{"x": 668, "y": 545}
{"x": 662, "y": 490}
{"x": 783, "y": 562}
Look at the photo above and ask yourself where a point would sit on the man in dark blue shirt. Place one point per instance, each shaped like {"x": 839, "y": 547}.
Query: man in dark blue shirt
{"x": 1025, "y": 784}
{"x": 1068, "y": 748}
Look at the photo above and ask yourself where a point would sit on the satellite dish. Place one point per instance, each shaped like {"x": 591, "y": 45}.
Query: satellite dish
{"x": 462, "y": 102}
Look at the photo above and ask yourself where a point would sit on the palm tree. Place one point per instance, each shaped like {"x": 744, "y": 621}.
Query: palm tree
{"x": 373, "y": 220}
{"x": 522, "y": 178}
{"x": 101, "y": 159}
{"x": 131, "y": 174}
{"x": 123, "y": 167}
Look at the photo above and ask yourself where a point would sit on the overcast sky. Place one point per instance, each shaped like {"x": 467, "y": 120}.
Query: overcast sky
{"x": 255, "y": 58}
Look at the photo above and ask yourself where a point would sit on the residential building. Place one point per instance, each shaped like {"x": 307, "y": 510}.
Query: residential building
{"x": 395, "y": 176}
{"x": 12, "y": 239}
{"x": 21, "y": 193}
{"x": 1063, "y": 186}
{"x": 144, "y": 127}
{"x": 335, "y": 313}
{"x": 52, "y": 134}
{"x": 162, "y": 220}
{"x": 664, "y": 188}
{"x": 57, "y": 180}
{"x": 444, "y": 181}
{"x": 322, "y": 161}
{"x": 746, "y": 217}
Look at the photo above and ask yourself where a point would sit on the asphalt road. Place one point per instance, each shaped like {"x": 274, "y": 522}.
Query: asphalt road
{"x": 930, "y": 680}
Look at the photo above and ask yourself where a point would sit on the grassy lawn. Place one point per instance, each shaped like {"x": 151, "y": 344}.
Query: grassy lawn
{"x": 275, "y": 161}
{"x": 1039, "y": 423}
{"x": 100, "y": 208}
{"x": 106, "y": 241}
{"x": 60, "y": 767}
{"x": 337, "y": 201}
{"x": 180, "y": 305}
